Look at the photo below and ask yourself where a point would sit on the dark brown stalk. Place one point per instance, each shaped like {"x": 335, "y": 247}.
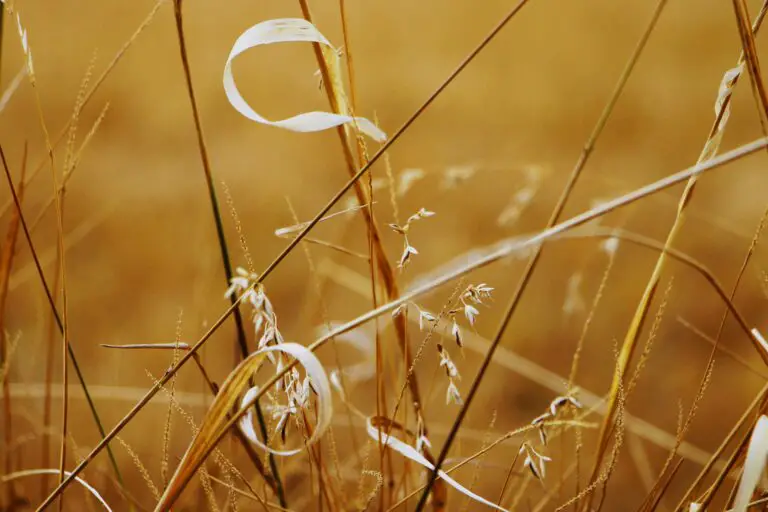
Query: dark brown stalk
{"x": 660, "y": 487}
{"x": 6, "y": 263}
{"x": 241, "y": 338}
{"x": 379, "y": 256}
{"x": 750, "y": 55}
{"x": 49, "y": 297}
{"x": 372, "y": 229}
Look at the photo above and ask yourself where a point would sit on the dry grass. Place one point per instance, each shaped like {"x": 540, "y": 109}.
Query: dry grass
{"x": 461, "y": 330}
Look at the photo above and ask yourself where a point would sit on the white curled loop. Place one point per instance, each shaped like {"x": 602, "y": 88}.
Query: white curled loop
{"x": 320, "y": 383}
{"x": 285, "y": 31}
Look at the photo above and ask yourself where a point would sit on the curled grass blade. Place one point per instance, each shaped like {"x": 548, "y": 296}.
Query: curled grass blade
{"x": 215, "y": 424}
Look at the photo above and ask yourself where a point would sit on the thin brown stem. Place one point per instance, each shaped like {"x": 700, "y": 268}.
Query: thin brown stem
{"x": 738, "y": 453}
{"x": 54, "y": 311}
{"x": 496, "y": 255}
{"x": 748, "y": 413}
{"x": 750, "y": 55}
{"x": 6, "y": 263}
{"x": 633, "y": 332}
{"x": 533, "y": 261}
{"x": 378, "y": 255}
{"x": 63, "y": 274}
{"x": 169, "y": 499}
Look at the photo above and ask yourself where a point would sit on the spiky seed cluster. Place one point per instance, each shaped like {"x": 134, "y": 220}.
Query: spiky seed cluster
{"x": 298, "y": 394}
{"x": 408, "y": 249}
{"x": 264, "y": 317}
{"x": 473, "y": 294}
{"x": 452, "y": 393}
{"x": 534, "y": 460}
{"x": 425, "y": 317}
{"x": 297, "y": 391}
{"x": 551, "y": 413}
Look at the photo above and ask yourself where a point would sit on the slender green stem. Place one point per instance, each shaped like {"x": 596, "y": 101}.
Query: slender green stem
{"x": 241, "y": 338}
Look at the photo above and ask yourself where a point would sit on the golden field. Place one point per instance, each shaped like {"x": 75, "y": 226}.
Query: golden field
{"x": 142, "y": 258}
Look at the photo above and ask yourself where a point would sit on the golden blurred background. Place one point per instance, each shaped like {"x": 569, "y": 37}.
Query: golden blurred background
{"x": 141, "y": 242}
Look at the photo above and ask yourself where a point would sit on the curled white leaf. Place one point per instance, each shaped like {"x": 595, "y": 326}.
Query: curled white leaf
{"x": 320, "y": 383}
{"x": 285, "y": 31}
{"x": 410, "y": 452}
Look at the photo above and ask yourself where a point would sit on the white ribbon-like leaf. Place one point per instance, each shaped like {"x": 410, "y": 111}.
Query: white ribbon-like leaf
{"x": 286, "y": 31}
{"x": 410, "y": 452}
